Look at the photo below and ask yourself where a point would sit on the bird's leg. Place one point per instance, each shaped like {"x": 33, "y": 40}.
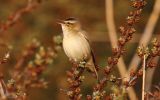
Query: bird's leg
{"x": 72, "y": 61}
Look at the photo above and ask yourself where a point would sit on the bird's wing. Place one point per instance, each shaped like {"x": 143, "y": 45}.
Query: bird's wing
{"x": 95, "y": 68}
{"x": 92, "y": 54}
{"x": 84, "y": 34}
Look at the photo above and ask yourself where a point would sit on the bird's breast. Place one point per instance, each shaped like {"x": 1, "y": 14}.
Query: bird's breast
{"x": 76, "y": 47}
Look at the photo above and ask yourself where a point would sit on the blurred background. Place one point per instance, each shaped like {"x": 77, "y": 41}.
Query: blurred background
{"x": 41, "y": 24}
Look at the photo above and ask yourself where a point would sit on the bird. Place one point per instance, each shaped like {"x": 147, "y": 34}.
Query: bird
{"x": 76, "y": 44}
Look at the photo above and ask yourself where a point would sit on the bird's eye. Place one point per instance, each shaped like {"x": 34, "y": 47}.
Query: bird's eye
{"x": 69, "y": 24}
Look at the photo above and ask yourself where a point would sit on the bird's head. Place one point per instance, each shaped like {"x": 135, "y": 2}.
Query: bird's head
{"x": 70, "y": 24}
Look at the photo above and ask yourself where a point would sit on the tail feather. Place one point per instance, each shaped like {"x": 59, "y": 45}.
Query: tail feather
{"x": 92, "y": 67}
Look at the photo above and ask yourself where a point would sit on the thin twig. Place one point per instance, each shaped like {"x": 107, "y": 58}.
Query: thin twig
{"x": 2, "y": 93}
{"x": 144, "y": 74}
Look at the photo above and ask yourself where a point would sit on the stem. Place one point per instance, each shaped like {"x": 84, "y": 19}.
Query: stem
{"x": 113, "y": 38}
{"x": 144, "y": 74}
{"x": 3, "y": 90}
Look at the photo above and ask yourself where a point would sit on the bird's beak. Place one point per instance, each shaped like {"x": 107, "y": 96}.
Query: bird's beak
{"x": 60, "y": 21}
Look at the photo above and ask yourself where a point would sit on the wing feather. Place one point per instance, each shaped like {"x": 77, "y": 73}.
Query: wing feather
{"x": 92, "y": 54}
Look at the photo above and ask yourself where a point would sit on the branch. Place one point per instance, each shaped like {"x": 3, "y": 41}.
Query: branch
{"x": 7, "y": 55}
{"x": 150, "y": 74}
{"x": 14, "y": 18}
{"x": 126, "y": 32}
{"x": 144, "y": 75}
{"x": 113, "y": 38}
{"x": 75, "y": 79}
{"x": 151, "y": 55}
{"x": 147, "y": 33}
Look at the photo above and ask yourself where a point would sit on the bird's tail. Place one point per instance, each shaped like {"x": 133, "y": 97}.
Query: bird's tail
{"x": 92, "y": 66}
